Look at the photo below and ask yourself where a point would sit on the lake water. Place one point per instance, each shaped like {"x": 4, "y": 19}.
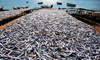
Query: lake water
{"x": 88, "y": 4}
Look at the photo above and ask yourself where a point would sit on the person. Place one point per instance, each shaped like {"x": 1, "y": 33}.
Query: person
{"x": 51, "y": 6}
{"x": 59, "y": 8}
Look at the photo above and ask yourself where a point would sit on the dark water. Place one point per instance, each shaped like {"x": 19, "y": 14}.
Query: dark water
{"x": 88, "y": 4}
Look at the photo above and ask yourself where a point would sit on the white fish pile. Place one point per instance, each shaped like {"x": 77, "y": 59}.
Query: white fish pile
{"x": 49, "y": 34}
{"x": 6, "y": 14}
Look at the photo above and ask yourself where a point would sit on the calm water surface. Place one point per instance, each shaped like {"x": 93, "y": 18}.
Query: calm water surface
{"x": 88, "y": 4}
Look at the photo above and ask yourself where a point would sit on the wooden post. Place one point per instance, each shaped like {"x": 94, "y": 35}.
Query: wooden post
{"x": 94, "y": 21}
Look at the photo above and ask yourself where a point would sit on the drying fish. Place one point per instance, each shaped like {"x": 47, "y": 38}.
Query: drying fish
{"x": 49, "y": 34}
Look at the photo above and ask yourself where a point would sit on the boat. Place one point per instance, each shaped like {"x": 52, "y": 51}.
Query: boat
{"x": 20, "y": 7}
{"x": 14, "y": 8}
{"x": 71, "y": 5}
{"x": 26, "y": 6}
{"x": 59, "y": 3}
{"x": 47, "y": 6}
{"x": 1, "y": 9}
{"x": 23, "y": 7}
{"x": 40, "y": 2}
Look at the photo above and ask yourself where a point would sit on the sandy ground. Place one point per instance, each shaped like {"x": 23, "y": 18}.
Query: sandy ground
{"x": 97, "y": 28}
{"x": 5, "y": 25}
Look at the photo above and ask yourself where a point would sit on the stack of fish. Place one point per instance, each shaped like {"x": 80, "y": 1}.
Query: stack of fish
{"x": 49, "y": 34}
{"x": 11, "y": 13}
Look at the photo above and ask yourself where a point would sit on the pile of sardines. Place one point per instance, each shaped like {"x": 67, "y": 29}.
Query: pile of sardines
{"x": 49, "y": 34}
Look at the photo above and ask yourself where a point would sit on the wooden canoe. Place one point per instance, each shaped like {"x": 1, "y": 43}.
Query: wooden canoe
{"x": 59, "y": 3}
{"x": 20, "y": 7}
{"x": 71, "y": 5}
{"x": 40, "y": 2}
{"x": 47, "y": 6}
